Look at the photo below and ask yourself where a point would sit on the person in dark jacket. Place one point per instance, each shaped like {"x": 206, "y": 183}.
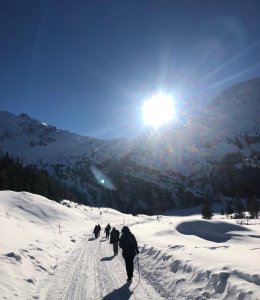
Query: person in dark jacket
{"x": 95, "y": 231}
{"x": 129, "y": 246}
{"x": 107, "y": 230}
{"x": 99, "y": 229}
{"x": 114, "y": 239}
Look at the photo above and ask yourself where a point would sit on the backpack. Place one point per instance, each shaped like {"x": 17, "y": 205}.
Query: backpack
{"x": 114, "y": 236}
{"x": 128, "y": 244}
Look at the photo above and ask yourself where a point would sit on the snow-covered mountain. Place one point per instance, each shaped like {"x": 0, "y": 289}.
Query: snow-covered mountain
{"x": 158, "y": 170}
{"x": 35, "y": 141}
{"x": 228, "y": 124}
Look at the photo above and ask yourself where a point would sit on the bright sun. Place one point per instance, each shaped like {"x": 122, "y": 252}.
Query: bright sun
{"x": 158, "y": 110}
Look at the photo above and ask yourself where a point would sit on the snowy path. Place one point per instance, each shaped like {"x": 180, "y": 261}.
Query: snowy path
{"x": 93, "y": 273}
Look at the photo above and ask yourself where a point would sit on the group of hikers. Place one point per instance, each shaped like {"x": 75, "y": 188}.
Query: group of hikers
{"x": 127, "y": 242}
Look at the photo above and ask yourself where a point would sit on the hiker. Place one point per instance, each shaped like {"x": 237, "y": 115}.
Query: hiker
{"x": 99, "y": 229}
{"x": 107, "y": 230}
{"x": 95, "y": 231}
{"x": 114, "y": 239}
{"x": 129, "y": 246}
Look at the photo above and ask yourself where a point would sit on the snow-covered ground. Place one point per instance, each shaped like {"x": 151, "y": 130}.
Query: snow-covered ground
{"x": 47, "y": 251}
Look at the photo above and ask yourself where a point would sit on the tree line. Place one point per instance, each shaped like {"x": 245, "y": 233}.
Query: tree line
{"x": 17, "y": 177}
{"x": 235, "y": 207}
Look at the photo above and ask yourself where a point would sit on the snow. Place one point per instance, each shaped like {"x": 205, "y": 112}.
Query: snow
{"x": 48, "y": 252}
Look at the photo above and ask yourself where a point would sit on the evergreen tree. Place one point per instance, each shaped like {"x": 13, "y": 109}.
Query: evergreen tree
{"x": 156, "y": 203}
{"x": 253, "y": 207}
{"x": 229, "y": 209}
{"x": 248, "y": 201}
{"x": 238, "y": 207}
{"x": 206, "y": 210}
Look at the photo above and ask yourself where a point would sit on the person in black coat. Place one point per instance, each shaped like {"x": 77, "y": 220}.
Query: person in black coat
{"x": 114, "y": 239}
{"x": 129, "y": 246}
{"x": 95, "y": 231}
{"x": 107, "y": 230}
{"x": 99, "y": 229}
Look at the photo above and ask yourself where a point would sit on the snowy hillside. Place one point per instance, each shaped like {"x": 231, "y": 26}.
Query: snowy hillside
{"x": 35, "y": 141}
{"x": 172, "y": 164}
{"x": 48, "y": 252}
{"x": 240, "y": 114}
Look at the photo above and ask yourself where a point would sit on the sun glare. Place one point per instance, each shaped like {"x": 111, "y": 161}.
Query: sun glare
{"x": 158, "y": 110}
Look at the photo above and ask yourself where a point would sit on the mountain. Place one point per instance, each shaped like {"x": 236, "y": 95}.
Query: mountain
{"x": 216, "y": 153}
{"x": 34, "y": 140}
{"x": 232, "y": 116}
{"x": 77, "y": 161}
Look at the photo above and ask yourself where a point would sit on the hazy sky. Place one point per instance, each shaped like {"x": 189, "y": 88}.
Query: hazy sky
{"x": 87, "y": 66}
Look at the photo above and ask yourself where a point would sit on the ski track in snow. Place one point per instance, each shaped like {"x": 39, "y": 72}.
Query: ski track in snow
{"x": 93, "y": 273}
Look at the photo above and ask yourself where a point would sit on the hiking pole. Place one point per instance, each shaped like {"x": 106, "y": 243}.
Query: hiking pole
{"x": 138, "y": 266}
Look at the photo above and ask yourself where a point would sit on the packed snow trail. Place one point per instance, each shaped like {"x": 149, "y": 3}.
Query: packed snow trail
{"x": 93, "y": 273}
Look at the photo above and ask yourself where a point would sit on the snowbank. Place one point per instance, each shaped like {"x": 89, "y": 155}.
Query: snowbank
{"x": 190, "y": 258}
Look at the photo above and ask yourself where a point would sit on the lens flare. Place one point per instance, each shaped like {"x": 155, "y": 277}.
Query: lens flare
{"x": 102, "y": 178}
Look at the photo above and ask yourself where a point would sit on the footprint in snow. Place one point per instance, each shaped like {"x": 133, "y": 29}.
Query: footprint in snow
{"x": 214, "y": 248}
{"x": 176, "y": 247}
{"x": 17, "y": 257}
{"x": 30, "y": 280}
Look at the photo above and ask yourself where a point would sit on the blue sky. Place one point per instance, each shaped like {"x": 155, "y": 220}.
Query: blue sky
{"x": 87, "y": 66}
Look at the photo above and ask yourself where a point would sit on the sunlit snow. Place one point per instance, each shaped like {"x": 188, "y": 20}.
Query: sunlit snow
{"x": 48, "y": 252}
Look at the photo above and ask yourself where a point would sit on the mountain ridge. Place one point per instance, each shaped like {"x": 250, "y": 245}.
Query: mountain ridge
{"x": 169, "y": 164}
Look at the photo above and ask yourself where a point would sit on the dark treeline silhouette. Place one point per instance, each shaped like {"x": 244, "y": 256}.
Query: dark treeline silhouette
{"x": 236, "y": 207}
{"x": 206, "y": 210}
{"x": 230, "y": 180}
{"x": 17, "y": 177}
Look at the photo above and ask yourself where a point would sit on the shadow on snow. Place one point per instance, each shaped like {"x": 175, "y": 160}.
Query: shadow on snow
{"x": 108, "y": 258}
{"x": 122, "y": 293}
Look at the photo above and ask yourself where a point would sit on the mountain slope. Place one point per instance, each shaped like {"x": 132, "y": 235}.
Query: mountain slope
{"x": 158, "y": 170}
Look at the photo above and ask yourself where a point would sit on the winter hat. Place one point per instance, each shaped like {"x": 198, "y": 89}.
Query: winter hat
{"x": 125, "y": 229}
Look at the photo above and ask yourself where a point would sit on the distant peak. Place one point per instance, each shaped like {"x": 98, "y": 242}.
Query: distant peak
{"x": 25, "y": 116}
{"x": 243, "y": 86}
